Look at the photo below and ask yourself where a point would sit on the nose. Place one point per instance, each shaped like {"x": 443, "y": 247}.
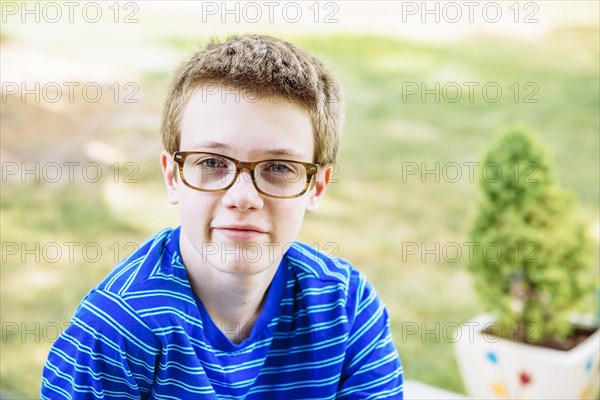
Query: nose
{"x": 242, "y": 194}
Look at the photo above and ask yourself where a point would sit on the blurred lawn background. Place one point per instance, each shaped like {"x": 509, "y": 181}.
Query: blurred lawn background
{"x": 368, "y": 214}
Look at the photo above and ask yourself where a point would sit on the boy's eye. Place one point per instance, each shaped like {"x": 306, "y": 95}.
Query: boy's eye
{"x": 279, "y": 167}
{"x": 211, "y": 162}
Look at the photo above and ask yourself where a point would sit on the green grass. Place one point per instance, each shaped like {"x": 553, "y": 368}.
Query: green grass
{"x": 374, "y": 210}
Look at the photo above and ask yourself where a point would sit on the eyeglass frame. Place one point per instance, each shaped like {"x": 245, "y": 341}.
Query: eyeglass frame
{"x": 179, "y": 159}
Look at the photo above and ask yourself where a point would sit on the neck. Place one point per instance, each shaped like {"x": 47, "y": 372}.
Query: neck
{"x": 233, "y": 300}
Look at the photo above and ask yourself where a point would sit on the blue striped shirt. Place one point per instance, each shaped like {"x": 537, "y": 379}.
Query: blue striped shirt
{"x": 141, "y": 333}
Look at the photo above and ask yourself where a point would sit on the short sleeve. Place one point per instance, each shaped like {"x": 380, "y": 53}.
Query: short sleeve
{"x": 372, "y": 367}
{"x": 107, "y": 352}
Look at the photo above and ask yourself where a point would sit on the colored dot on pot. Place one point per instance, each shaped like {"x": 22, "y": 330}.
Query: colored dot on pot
{"x": 492, "y": 357}
{"x": 525, "y": 378}
{"x": 499, "y": 390}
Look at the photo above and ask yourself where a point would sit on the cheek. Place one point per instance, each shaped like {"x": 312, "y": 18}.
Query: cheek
{"x": 287, "y": 219}
{"x": 195, "y": 212}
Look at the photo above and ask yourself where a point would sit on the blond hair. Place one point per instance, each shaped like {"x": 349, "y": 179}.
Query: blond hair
{"x": 263, "y": 66}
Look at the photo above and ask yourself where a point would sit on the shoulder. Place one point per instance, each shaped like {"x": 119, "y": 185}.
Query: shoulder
{"x": 152, "y": 277}
{"x": 314, "y": 267}
{"x": 146, "y": 262}
{"x": 118, "y": 304}
{"x": 314, "y": 263}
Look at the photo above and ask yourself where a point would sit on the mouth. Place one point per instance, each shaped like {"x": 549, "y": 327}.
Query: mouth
{"x": 238, "y": 232}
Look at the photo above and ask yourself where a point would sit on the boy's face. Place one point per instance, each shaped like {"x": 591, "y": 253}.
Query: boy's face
{"x": 239, "y": 230}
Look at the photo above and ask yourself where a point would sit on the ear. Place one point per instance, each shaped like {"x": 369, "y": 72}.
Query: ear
{"x": 318, "y": 189}
{"x": 166, "y": 163}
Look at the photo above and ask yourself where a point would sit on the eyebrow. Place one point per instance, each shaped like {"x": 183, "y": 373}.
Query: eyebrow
{"x": 279, "y": 152}
{"x": 210, "y": 145}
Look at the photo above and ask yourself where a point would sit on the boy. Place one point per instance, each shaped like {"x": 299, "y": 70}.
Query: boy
{"x": 228, "y": 305}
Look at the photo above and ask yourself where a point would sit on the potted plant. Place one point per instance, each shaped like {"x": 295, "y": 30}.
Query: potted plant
{"x": 531, "y": 267}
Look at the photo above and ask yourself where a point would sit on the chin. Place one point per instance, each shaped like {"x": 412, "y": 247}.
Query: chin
{"x": 242, "y": 268}
{"x": 242, "y": 259}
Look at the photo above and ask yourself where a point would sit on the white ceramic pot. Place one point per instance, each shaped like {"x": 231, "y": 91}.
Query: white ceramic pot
{"x": 494, "y": 368}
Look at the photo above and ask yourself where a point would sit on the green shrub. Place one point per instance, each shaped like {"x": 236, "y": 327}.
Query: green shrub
{"x": 530, "y": 272}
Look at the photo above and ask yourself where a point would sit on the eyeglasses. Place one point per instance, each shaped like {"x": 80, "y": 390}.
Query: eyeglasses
{"x": 211, "y": 172}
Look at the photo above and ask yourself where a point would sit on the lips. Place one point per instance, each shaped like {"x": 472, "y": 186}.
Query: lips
{"x": 241, "y": 228}
{"x": 239, "y": 232}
